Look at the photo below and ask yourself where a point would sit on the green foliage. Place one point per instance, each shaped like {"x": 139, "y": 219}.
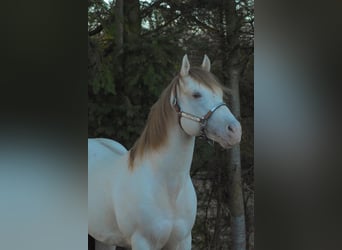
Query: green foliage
{"x": 104, "y": 81}
{"x": 124, "y": 87}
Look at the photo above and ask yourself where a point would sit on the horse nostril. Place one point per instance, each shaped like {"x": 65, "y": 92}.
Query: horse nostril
{"x": 231, "y": 128}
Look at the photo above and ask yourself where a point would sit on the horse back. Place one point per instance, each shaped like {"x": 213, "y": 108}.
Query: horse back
{"x": 101, "y": 148}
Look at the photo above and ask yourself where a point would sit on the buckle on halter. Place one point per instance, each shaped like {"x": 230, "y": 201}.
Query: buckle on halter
{"x": 210, "y": 142}
{"x": 204, "y": 136}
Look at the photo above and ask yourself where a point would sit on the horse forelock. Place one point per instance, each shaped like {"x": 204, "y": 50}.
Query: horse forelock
{"x": 207, "y": 79}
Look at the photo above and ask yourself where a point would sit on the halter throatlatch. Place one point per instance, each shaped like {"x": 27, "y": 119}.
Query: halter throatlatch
{"x": 203, "y": 121}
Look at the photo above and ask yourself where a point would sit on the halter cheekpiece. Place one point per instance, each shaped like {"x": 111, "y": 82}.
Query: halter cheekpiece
{"x": 203, "y": 121}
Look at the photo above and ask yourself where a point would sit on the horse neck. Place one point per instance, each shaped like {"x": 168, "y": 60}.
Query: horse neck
{"x": 173, "y": 160}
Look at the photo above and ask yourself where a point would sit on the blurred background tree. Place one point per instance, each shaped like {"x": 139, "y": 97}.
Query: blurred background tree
{"x": 135, "y": 49}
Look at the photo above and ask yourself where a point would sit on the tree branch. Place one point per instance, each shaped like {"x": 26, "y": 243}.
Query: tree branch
{"x": 204, "y": 25}
{"x": 162, "y": 26}
{"x": 95, "y": 31}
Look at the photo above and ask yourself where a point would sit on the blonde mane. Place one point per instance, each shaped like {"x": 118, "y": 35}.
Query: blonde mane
{"x": 160, "y": 117}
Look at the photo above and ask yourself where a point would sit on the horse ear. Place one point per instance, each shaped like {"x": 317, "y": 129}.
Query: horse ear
{"x": 185, "y": 66}
{"x": 172, "y": 96}
{"x": 206, "y": 63}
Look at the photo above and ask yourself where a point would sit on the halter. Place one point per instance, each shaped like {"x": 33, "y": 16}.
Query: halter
{"x": 203, "y": 121}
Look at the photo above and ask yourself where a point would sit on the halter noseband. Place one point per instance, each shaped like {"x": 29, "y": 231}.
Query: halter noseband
{"x": 203, "y": 121}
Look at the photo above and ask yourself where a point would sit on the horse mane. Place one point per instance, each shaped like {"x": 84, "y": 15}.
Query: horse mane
{"x": 160, "y": 117}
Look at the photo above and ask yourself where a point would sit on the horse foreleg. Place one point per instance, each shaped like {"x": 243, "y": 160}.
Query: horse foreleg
{"x": 101, "y": 246}
{"x": 140, "y": 243}
{"x": 185, "y": 244}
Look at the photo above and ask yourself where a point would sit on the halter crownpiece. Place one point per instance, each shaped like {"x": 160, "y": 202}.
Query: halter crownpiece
{"x": 203, "y": 121}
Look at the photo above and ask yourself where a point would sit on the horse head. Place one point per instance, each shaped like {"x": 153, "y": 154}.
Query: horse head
{"x": 198, "y": 99}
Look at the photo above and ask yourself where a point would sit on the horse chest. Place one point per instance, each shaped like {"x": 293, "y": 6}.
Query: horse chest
{"x": 184, "y": 212}
{"x": 168, "y": 231}
{"x": 171, "y": 214}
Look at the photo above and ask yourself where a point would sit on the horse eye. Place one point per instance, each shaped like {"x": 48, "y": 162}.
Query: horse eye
{"x": 196, "y": 95}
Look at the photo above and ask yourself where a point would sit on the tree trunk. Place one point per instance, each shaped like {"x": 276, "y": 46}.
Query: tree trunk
{"x": 238, "y": 225}
{"x": 119, "y": 26}
{"x": 217, "y": 230}
{"x": 234, "y": 170}
{"x": 131, "y": 37}
{"x": 132, "y": 21}
{"x": 118, "y": 51}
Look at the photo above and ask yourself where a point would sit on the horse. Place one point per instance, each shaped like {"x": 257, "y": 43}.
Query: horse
{"x": 143, "y": 198}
